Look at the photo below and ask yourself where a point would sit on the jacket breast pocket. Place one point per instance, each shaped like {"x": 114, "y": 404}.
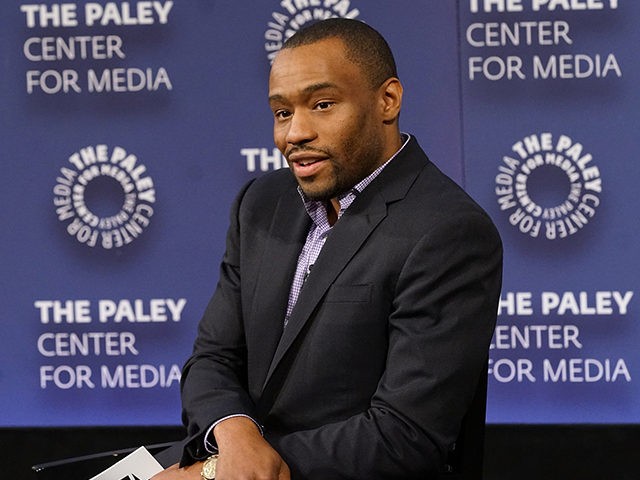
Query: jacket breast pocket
{"x": 349, "y": 294}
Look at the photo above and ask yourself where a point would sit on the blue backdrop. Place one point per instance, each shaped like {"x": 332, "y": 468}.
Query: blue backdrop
{"x": 128, "y": 127}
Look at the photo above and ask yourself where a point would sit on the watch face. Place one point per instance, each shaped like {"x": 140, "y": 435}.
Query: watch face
{"x": 209, "y": 468}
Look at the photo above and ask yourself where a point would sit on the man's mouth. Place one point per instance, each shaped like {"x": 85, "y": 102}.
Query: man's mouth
{"x": 305, "y": 164}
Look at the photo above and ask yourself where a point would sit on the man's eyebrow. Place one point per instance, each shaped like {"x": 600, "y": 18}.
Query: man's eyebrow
{"x": 318, "y": 86}
{"x": 306, "y": 91}
{"x": 276, "y": 98}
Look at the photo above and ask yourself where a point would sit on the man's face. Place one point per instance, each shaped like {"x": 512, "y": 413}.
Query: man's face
{"x": 327, "y": 119}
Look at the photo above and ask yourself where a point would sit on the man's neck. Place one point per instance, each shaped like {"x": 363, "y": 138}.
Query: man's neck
{"x": 333, "y": 208}
{"x": 333, "y": 205}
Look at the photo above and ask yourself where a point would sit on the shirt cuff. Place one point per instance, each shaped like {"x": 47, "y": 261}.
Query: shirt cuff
{"x": 210, "y": 446}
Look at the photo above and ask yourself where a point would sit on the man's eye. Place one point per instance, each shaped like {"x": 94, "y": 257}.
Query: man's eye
{"x": 323, "y": 105}
{"x": 282, "y": 114}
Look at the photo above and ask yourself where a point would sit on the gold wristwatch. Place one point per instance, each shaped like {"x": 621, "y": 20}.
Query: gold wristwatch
{"x": 208, "y": 471}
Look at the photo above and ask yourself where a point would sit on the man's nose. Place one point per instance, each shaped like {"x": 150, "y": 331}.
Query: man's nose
{"x": 301, "y": 128}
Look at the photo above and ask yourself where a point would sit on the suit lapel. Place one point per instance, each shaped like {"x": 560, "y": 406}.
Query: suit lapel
{"x": 343, "y": 242}
{"x": 287, "y": 234}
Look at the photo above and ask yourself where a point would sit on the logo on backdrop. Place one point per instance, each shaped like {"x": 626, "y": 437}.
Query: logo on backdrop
{"x": 296, "y": 14}
{"x": 104, "y": 196}
{"x": 548, "y": 186}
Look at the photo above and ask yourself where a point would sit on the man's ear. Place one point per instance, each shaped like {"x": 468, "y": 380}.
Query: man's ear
{"x": 391, "y": 99}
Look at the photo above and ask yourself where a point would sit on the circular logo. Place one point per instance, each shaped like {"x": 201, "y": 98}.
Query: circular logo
{"x": 296, "y": 14}
{"x": 549, "y": 186}
{"x": 104, "y": 196}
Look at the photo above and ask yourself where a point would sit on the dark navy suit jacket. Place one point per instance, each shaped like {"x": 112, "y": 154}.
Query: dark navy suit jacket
{"x": 384, "y": 348}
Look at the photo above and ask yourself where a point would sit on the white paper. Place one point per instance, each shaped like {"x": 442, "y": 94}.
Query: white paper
{"x": 139, "y": 464}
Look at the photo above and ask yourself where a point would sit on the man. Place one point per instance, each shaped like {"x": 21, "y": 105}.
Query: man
{"x": 357, "y": 297}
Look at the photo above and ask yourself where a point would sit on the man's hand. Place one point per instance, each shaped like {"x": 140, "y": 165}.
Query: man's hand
{"x": 244, "y": 454}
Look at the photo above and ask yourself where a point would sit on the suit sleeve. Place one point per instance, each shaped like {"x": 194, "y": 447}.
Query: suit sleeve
{"x": 443, "y": 315}
{"x": 213, "y": 383}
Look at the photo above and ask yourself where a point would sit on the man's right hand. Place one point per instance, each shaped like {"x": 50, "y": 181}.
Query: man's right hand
{"x": 245, "y": 454}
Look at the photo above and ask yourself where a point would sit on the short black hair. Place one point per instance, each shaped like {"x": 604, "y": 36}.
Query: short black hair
{"x": 365, "y": 46}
